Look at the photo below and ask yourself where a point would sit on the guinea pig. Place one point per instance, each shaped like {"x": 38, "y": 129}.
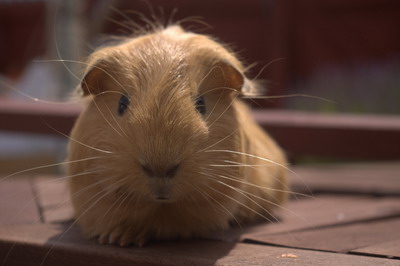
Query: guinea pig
{"x": 165, "y": 148}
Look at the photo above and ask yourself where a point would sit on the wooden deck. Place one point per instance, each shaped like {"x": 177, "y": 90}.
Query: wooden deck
{"x": 351, "y": 215}
{"x": 353, "y": 218}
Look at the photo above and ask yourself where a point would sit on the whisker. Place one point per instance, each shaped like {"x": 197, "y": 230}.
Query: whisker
{"x": 210, "y": 176}
{"x": 281, "y": 207}
{"x": 77, "y": 141}
{"x": 58, "y": 49}
{"x": 240, "y": 203}
{"x": 245, "y": 182}
{"x": 103, "y": 116}
{"x": 245, "y": 194}
{"x": 257, "y": 168}
{"x": 37, "y": 99}
{"x": 266, "y": 66}
{"x": 63, "y": 61}
{"x": 224, "y": 138}
{"x": 56, "y": 179}
{"x": 202, "y": 94}
{"x": 217, "y": 89}
{"x": 125, "y": 196}
{"x": 226, "y": 109}
{"x": 49, "y": 165}
{"x": 115, "y": 120}
{"x": 236, "y": 179}
{"x": 233, "y": 163}
{"x": 8, "y": 253}
{"x": 37, "y": 195}
{"x": 287, "y": 96}
{"x": 195, "y": 201}
{"x": 215, "y": 106}
{"x": 238, "y": 165}
{"x": 105, "y": 92}
{"x": 86, "y": 188}
{"x": 252, "y": 156}
{"x": 75, "y": 221}
{"x": 206, "y": 195}
{"x": 266, "y": 160}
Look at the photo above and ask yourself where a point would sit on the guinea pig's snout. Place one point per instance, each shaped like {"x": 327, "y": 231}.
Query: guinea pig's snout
{"x": 160, "y": 172}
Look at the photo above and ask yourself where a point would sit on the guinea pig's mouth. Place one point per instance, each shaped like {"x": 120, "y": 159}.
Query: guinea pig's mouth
{"x": 162, "y": 194}
{"x": 162, "y": 198}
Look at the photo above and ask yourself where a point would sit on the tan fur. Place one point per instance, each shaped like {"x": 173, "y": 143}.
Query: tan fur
{"x": 162, "y": 73}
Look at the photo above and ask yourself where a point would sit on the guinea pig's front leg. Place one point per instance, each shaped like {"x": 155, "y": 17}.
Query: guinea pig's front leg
{"x": 123, "y": 236}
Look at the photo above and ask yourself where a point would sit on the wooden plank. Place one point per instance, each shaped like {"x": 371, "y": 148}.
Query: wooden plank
{"x": 333, "y": 135}
{"x": 342, "y": 238}
{"x": 321, "y": 212}
{"x": 53, "y": 198}
{"x": 37, "y": 117}
{"x": 371, "y": 178}
{"x": 387, "y": 248}
{"x": 299, "y": 133}
{"x": 333, "y": 210}
{"x": 42, "y": 244}
{"x": 312, "y": 217}
{"x": 297, "y": 215}
{"x": 17, "y": 202}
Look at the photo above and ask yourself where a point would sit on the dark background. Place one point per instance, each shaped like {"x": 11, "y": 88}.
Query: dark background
{"x": 347, "y": 51}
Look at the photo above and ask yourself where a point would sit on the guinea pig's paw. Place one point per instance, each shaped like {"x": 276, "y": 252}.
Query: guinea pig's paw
{"x": 123, "y": 238}
{"x": 139, "y": 239}
{"x": 111, "y": 238}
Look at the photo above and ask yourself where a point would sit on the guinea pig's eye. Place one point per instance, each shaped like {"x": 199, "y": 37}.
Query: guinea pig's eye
{"x": 123, "y": 104}
{"x": 200, "y": 105}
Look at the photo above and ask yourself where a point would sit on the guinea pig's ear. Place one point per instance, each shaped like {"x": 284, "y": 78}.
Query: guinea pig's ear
{"x": 93, "y": 81}
{"x": 224, "y": 75}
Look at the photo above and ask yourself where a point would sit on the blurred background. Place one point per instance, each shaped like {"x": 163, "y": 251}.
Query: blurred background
{"x": 347, "y": 51}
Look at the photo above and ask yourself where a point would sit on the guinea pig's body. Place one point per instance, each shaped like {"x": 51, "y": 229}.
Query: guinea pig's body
{"x": 164, "y": 149}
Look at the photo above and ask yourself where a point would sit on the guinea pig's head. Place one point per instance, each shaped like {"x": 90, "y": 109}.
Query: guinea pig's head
{"x": 158, "y": 106}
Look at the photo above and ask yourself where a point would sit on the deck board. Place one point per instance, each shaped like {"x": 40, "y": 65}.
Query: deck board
{"x": 41, "y": 244}
{"x": 371, "y": 179}
{"x": 17, "y": 202}
{"x": 341, "y": 238}
{"x": 389, "y": 248}
{"x": 312, "y": 230}
{"x": 332, "y": 211}
{"x": 53, "y": 198}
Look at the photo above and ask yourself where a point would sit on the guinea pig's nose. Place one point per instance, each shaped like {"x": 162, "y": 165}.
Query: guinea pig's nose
{"x": 153, "y": 172}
